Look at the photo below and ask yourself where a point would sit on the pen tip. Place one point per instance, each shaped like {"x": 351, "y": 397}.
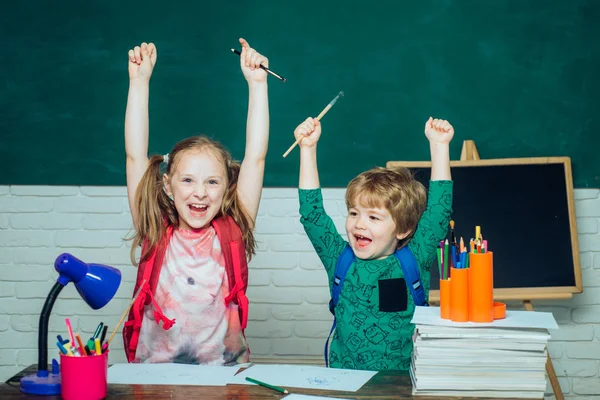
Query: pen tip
{"x": 341, "y": 93}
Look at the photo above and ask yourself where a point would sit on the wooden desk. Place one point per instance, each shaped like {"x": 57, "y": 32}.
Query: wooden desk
{"x": 384, "y": 385}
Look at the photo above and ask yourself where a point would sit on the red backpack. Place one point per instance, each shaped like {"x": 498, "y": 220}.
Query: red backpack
{"x": 234, "y": 252}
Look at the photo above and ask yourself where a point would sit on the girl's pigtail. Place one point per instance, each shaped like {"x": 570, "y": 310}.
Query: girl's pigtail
{"x": 155, "y": 209}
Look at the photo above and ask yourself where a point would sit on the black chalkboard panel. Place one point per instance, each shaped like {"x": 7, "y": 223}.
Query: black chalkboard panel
{"x": 526, "y": 213}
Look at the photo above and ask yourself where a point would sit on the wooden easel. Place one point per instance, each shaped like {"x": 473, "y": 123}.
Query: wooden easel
{"x": 469, "y": 153}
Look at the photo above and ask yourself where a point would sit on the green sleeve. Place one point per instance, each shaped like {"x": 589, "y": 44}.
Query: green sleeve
{"x": 432, "y": 228}
{"x": 320, "y": 229}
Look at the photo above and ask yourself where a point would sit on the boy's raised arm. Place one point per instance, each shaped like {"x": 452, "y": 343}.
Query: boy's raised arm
{"x": 440, "y": 133}
{"x": 310, "y": 130}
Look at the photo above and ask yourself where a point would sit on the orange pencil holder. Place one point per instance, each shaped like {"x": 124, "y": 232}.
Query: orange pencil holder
{"x": 445, "y": 298}
{"x": 459, "y": 294}
{"x": 481, "y": 288}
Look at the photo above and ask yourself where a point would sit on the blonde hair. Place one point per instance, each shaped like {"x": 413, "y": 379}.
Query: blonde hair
{"x": 394, "y": 189}
{"x": 155, "y": 208}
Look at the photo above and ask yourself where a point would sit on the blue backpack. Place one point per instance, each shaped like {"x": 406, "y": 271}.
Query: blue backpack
{"x": 410, "y": 269}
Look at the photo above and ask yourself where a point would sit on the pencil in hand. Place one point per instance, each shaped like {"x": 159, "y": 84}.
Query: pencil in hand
{"x": 281, "y": 78}
{"x": 325, "y": 110}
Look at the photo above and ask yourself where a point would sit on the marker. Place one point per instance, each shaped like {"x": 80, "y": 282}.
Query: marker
{"x": 446, "y": 250}
{"x": 67, "y": 348}
{"x": 103, "y": 333}
{"x": 98, "y": 347}
{"x": 276, "y": 388}
{"x": 71, "y": 337}
{"x": 98, "y": 330}
{"x": 439, "y": 259}
{"x": 281, "y": 78}
{"x": 62, "y": 348}
{"x": 72, "y": 348}
{"x": 60, "y": 339}
{"x": 80, "y": 343}
{"x": 452, "y": 236}
{"x": 90, "y": 342}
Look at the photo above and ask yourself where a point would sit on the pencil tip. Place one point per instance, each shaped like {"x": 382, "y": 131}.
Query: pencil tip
{"x": 341, "y": 93}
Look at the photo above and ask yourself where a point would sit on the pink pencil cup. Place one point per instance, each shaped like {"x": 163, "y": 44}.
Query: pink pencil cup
{"x": 83, "y": 378}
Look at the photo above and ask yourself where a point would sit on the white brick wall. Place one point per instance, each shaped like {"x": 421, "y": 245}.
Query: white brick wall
{"x": 288, "y": 289}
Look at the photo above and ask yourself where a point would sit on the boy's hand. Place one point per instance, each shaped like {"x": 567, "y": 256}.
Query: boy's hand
{"x": 310, "y": 129}
{"x": 250, "y": 61}
{"x": 438, "y": 131}
{"x": 141, "y": 61}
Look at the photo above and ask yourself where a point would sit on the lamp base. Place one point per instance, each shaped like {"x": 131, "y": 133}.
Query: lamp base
{"x": 42, "y": 383}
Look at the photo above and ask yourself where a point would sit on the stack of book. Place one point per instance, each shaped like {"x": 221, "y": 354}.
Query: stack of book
{"x": 505, "y": 358}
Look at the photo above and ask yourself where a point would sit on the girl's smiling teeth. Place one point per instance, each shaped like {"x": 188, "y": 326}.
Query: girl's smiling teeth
{"x": 198, "y": 209}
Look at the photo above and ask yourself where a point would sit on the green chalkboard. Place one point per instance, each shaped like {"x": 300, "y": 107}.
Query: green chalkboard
{"x": 518, "y": 77}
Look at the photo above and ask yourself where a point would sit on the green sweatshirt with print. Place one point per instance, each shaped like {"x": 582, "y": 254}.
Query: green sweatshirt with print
{"x": 374, "y": 312}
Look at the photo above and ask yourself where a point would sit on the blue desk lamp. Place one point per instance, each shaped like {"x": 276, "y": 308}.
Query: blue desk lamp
{"x": 97, "y": 284}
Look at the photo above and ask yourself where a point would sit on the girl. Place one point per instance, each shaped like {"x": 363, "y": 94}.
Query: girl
{"x": 179, "y": 218}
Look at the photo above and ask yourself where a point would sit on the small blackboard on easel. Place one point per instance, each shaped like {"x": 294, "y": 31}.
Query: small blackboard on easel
{"x": 526, "y": 211}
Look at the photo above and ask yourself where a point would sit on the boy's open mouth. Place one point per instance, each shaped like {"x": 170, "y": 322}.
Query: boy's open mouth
{"x": 362, "y": 241}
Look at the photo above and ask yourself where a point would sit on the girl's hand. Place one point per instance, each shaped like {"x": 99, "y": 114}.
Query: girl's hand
{"x": 250, "y": 61}
{"x": 141, "y": 61}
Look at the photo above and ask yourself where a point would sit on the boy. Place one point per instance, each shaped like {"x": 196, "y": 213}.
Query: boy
{"x": 387, "y": 209}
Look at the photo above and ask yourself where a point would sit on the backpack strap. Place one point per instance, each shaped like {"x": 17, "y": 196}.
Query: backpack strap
{"x": 410, "y": 269}
{"x": 339, "y": 275}
{"x": 149, "y": 273}
{"x": 234, "y": 252}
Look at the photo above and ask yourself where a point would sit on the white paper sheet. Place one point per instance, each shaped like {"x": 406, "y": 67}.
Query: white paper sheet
{"x": 307, "y": 397}
{"x": 307, "y": 377}
{"x": 514, "y": 319}
{"x": 170, "y": 374}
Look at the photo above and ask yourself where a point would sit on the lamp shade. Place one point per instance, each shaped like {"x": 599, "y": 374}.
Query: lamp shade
{"x": 96, "y": 283}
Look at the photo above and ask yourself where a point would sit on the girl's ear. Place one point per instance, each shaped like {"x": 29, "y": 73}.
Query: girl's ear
{"x": 167, "y": 186}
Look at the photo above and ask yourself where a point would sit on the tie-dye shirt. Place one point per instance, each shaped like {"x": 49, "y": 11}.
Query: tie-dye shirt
{"x": 191, "y": 290}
